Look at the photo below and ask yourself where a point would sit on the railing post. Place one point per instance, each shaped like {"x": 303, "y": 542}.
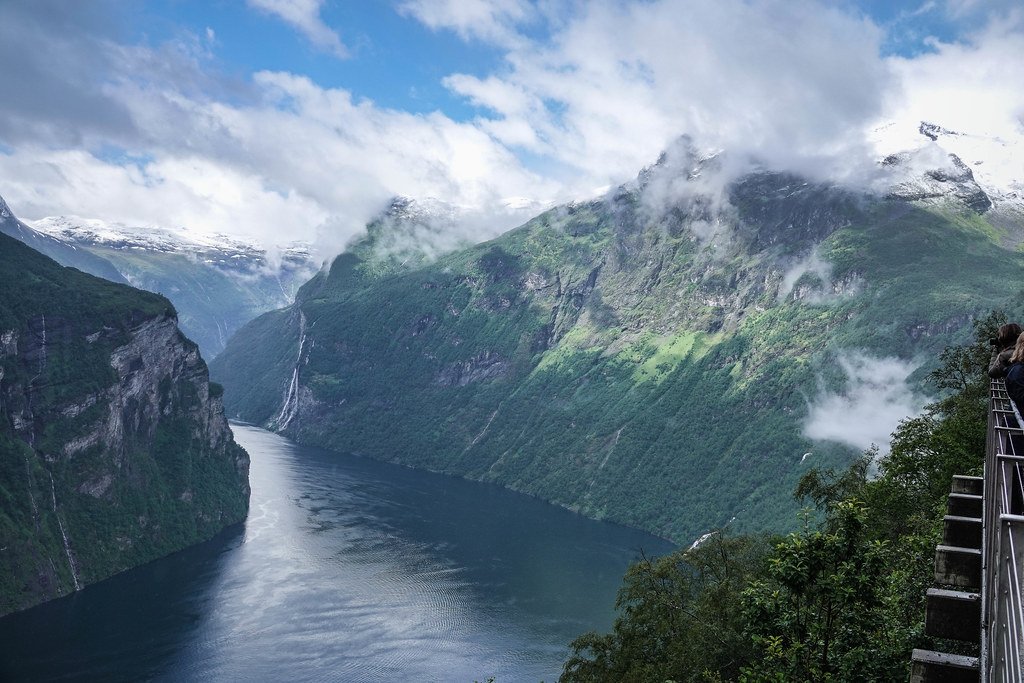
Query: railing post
{"x": 1002, "y": 608}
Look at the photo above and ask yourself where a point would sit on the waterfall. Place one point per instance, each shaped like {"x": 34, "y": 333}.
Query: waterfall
{"x": 42, "y": 349}
{"x": 67, "y": 545}
{"x": 291, "y": 398}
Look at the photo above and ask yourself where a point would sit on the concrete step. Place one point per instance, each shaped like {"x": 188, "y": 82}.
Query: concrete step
{"x": 963, "y": 532}
{"x": 957, "y": 566}
{"x": 964, "y": 505}
{"x": 973, "y": 486}
{"x": 938, "y": 667}
{"x": 953, "y": 614}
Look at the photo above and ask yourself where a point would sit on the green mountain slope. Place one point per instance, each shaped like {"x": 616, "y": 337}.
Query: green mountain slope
{"x": 114, "y": 449}
{"x": 645, "y": 362}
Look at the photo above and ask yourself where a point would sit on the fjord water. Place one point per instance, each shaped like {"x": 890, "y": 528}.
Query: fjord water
{"x": 347, "y": 569}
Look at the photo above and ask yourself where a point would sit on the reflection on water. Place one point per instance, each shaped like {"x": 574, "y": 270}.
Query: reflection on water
{"x": 346, "y": 569}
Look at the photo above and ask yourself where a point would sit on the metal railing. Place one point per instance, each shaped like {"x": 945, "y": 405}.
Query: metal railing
{"x": 1002, "y": 612}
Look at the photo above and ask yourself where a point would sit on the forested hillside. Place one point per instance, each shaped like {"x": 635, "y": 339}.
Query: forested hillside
{"x": 840, "y": 599}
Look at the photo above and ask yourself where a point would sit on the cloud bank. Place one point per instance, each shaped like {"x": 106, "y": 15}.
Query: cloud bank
{"x": 96, "y": 123}
{"x": 875, "y": 400}
{"x": 812, "y": 264}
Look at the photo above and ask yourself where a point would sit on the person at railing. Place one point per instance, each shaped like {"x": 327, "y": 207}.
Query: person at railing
{"x": 1015, "y": 375}
{"x": 1002, "y": 349}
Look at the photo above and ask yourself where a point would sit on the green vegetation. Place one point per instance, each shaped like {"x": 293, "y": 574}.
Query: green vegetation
{"x": 27, "y": 278}
{"x": 681, "y": 618}
{"x": 841, "y": 599}
{"x": 605, "y": 358}
{"x": 126, "y": 476}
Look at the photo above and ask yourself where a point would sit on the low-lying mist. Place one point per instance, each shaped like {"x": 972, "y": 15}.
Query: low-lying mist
{"x": 873, "y": 402}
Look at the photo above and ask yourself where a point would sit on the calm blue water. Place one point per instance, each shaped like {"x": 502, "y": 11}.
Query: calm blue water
{"x": 346, "y": 570}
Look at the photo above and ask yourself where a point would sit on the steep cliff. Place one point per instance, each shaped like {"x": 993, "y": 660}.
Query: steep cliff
{"x": 114, "y": 449}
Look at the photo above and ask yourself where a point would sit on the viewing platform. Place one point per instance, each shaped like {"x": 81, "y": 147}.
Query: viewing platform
{"x": 979, "y": 564}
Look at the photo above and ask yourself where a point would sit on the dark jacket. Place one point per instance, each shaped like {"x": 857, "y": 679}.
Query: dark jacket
{"x": 1000, "y": 363}
{"x": 1015, "y": 384}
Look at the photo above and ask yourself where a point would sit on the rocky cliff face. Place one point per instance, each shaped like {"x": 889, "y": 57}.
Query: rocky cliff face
{"x": 114, "y": 448}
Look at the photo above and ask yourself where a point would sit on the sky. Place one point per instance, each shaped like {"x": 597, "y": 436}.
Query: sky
{"x": 283, "y": 120}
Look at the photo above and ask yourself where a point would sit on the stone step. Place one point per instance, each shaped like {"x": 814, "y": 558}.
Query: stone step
{"x": 970, "y": 485}
{"x": 957, "y": 566}
{"x": 938, "y": 667}
{"x": 964, "y": 505}
{"x": 953, "y": 614}
{"x": 962, "y": 532}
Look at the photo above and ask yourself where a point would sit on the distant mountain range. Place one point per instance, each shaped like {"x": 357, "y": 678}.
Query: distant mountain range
{"x": 217, "y": 283}
{"x": 661, "y": 356}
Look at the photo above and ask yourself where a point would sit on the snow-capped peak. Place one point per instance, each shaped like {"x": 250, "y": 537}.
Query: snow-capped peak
{"x": 150, "y": 237}
{"x": 425, "y": 210}
{"x": 996, "y": 163}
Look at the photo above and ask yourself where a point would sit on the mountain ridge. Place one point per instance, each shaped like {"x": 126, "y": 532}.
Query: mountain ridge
{"x": 601, "y": 356}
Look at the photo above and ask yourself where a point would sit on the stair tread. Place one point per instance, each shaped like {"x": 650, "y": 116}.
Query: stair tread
{"x": 953, "y": 594}
{"x": 944, "y": 658}
{"x": 957, "y": 549}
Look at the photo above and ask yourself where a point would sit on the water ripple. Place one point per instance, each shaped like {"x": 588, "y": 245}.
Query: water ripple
{"x": 347, "y": 570}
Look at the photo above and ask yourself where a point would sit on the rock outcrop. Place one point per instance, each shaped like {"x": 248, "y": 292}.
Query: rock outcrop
{"x": 114, "y": 448}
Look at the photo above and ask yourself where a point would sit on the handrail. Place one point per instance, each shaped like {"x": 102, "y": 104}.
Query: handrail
{"x": 1002, "y": 608}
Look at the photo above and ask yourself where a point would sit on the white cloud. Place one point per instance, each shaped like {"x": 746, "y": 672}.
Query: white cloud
{"x": 618, "y": 82}
{"x": 173, "y": 191}
{"x": 301, "y": 162}
{"x": 971, "y": 86}
{"x": 492, "y": 21}
{"x": 304, "y": 15}
{"x": 875, "y": 400}
{"x": 814, "y": 264}
{"x": 967, "y": 9}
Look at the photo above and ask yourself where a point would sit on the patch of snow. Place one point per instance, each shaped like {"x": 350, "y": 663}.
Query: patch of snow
{"x": 996, "y": 162}
{"x": 96, "y": 232}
